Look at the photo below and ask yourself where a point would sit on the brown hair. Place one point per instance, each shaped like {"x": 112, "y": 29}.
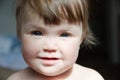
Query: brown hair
{"x": 55, "y": 11}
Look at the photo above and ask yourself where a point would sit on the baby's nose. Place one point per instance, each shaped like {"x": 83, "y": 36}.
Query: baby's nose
{"x": 49, "y": 50}
{"x": 50, "y": 45}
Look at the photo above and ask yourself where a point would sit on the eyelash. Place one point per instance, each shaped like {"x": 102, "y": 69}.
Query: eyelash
{"x": 37, "y": 33}
{"x": 65, "y": 34}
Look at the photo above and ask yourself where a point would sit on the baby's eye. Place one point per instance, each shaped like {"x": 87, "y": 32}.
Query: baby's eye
{"x": 37, "y": 33}
{"x": 65, "y": 35}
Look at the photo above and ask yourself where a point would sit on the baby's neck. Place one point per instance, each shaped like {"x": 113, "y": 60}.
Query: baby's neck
{"x": 37, "y": 76}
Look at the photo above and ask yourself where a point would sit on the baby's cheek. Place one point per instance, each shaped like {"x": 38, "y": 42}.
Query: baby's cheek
{"x": 74, "y": 50}
{"x": 71, "y": 51}
{"x": 29, "y": 49}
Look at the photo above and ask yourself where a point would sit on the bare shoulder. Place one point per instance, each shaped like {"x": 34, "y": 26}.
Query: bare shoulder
{"x": 88, "y": 73}
{"x": 14, "y": 76}
{"x": 18, "y": 75}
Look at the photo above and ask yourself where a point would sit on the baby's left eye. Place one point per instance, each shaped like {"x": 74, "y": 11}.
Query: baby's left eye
{"x": 65, "y": 35}
{"x": 37, "y": 33}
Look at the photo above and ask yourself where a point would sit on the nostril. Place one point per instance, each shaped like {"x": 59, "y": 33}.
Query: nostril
{"x": 49, "y": 50}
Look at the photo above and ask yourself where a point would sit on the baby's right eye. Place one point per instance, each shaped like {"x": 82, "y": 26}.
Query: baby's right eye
{"x": 37, "y": 33}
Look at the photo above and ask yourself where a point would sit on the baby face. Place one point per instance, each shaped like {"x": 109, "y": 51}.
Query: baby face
{"x": 50, "y": 49}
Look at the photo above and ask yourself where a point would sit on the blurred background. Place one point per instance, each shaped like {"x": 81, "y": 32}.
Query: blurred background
{"x": 104, "y": 21}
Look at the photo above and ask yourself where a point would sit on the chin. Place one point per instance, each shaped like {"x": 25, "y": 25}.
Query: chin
{"x": 51, "y": 73}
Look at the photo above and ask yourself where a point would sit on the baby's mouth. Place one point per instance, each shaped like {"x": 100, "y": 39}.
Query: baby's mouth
{"x": 47, "y": 58}
{"x": 49, "y": 61}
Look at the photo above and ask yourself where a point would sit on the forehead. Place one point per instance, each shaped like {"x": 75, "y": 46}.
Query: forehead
{"x": 34, "y": 18}
{"x": 36, "y": 22}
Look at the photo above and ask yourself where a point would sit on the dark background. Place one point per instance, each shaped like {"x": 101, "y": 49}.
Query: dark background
{"x": 104, "y": 21}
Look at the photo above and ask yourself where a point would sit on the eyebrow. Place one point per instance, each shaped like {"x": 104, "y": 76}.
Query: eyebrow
{"x": 34, "y": 26}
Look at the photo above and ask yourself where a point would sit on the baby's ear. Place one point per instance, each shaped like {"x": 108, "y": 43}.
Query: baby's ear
{"x": 82, "y": 37}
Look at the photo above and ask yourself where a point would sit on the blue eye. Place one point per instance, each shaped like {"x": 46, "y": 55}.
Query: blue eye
{"x": 37, "y": 33}
{"x": 65, "y": 35}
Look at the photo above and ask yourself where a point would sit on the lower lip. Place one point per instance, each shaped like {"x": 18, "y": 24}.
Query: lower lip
{"x": 49, "y": 61}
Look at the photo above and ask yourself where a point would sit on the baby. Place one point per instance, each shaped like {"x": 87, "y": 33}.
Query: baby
{"x": 51, "y": 33}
